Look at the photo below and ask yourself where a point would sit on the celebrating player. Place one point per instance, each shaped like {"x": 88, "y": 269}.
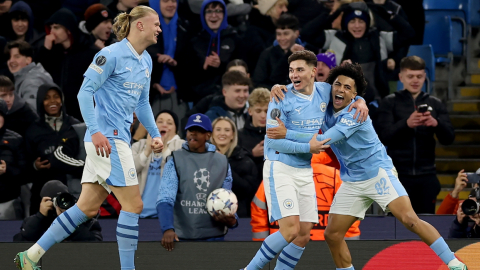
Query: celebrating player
{"x": 287, "y": 171}
{"x": 118, "y": 80}
{"x": 366, "y": 169}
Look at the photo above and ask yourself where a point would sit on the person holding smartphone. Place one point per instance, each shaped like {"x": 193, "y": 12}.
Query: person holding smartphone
{"x": 407, "y": 123}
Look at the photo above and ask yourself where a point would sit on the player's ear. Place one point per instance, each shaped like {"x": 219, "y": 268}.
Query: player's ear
{"x": 209, "y": 135}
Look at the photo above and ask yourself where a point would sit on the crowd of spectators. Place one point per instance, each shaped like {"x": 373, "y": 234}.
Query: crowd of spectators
{"x": 215, "y": 59}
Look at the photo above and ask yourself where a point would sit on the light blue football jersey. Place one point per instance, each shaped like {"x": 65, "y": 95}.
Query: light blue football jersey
{"x": 300, "y": 113}
{"x": 123, "y": 80}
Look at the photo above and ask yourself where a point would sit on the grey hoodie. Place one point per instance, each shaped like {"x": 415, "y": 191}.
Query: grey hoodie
{"x": 27, "y": 81}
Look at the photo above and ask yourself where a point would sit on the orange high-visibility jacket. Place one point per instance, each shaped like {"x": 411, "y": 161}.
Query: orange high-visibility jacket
{"x": 327, "y": 182}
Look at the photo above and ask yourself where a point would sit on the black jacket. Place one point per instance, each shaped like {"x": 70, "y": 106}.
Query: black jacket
{"x": 68, "y": 65}
{"x": 466, "y": 229}
{"x": 248, "y": 137}
{"x": 33, "y": 227}
{"x": 412, "y": 150}
{"x": 60, "y": 147}
{"x": 20, "y": 116}
{"x": 244, "y": 175}
{"x": 12, "y": 151}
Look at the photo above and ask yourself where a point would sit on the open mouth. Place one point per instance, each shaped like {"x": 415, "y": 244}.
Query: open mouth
{"x": 296, "y": 83}
{"x": 320, "y": 74}
{"x": 163, "y": 132}
{"x": 338, "y": 99}
{"x": 53, "y": 107}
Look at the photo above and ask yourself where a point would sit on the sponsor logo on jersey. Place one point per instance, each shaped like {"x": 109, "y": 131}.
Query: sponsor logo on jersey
{"x": 96, "y": 68}
{"x": 132, "y": 85}
{"x": 101, "y": 60}
{"x": 347, "y": 122}
{"x": 275, "y": 113}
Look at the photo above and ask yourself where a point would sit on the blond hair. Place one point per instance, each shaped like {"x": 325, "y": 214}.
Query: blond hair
{"x": 259, "y": 96}
{"x": 234, "y": 142}
{"x": 121, "y": 26}
{"x": 279, "y": 2}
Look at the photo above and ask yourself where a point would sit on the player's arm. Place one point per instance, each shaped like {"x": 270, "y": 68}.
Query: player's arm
{"x": 145, "y": 114}
{"x": 166, "y": 196}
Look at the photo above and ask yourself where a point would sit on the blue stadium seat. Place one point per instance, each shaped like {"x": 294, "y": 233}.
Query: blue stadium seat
{"x": 426, "y": 53}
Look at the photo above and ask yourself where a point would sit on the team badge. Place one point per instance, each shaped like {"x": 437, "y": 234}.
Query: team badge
{"x": 132, "y": 173}
{"x": 147, "y": 73}
{"x": 101, "y": 60}
{"x": 288, "y": 204}
{"x": 323, "y": 106}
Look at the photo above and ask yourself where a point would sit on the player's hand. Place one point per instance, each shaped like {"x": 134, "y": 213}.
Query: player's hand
{"x": 3, "y": 167}
{"x": 157, "y": 145}
{"x": 168, "y": 238}
{"x": 100, "y": 43}
{"x": 40, "y": 165}
{"x": 391, "y": 64}
{"x": 415, "y": 120}
{"x": 49, "y": 41}
{"x": 279, "y": 132}
{"x": 277, "y": 92}
{"x": 460, "y": 183}
{"x": 460, "y": 215}
{"x": 257, "y": 151}
{"x": 102, "y": 145}
{"x": 318, "y": 146}
{"x": 362, "y": 110}
{"x": 229, "y": 220}
{"x": 46, "y": 205}
{"x": 296, "y": 48}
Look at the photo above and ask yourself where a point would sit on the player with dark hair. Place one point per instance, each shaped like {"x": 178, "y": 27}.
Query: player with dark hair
{"x": 118, "y": 80}
{"x": 367, "y": 171}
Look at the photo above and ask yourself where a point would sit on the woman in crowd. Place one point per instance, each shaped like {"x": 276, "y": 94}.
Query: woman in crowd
{"x": 244, "y": 172}
{"x": 149, "y": 166}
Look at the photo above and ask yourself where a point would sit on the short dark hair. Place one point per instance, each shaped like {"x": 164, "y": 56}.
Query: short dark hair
{"x": 287, "y": 21}
{"x": 354, "y": 72}
{"x": 19, "y": 15}
{"x": 412, "y": 62}
{"x": 24, "y": 48}
{"x": 237, "y": 63}
{"x": 306, "y": 55}
{"x": 235, "y": 77}
{"x": 6, "y": 85}
{"x": 214, "y": 5}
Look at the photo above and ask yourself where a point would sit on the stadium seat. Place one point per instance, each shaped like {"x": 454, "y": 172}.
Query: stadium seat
{"x": 426, "y": 53}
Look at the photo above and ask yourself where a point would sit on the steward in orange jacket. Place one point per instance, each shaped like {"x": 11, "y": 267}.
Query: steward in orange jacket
{"x": 327, "y": 182}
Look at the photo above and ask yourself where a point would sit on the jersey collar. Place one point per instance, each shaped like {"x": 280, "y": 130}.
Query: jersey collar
{"x": 300, "y": 95}
{"x": 129, "y": 45}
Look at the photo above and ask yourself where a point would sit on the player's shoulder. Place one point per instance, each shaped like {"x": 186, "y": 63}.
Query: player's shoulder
{"x": 147, "y": 57}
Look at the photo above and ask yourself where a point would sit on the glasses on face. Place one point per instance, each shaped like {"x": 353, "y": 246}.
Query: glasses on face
{"x": 214, "y": 11}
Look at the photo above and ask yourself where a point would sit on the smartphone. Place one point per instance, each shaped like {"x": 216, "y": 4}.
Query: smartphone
{"x": 422, "y": 108}
{"x": 473, "y": 177}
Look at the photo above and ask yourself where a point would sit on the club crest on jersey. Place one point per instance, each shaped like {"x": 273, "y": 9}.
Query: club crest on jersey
{"x": 323, "y": 106}
{"x": 101, "y": 60}
{"x": 147, "y": 73}
{"x": 132, "y": 173}
{"x": 288, "y": 204}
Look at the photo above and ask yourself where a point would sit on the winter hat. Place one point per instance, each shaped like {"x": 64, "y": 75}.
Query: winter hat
{"x": 328, "y": 58}
{"x": 53, "y": 188}
{"x": 265, "y": 5}
{"x": 96, "y": 14}
{"x": 174, "y": 116}
{"x": 355, "y": 10}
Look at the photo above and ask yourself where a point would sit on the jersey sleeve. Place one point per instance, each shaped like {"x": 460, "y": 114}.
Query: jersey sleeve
{"x": 102, "y": 66}
{"x": 346, "y": 124}
{"x": 144, "y": 110}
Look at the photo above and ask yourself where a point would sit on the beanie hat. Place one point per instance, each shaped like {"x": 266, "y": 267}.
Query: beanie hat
{"x": 265, "y": 5}
{"x": 328, "y": 58}
{"x": 53, "y": 188}
{"x": 174, "y": 116}
{"x": 356, "y": 10}
{"x": 96, "y": 14}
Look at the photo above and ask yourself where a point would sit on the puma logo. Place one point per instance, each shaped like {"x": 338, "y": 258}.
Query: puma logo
{"x": 130, "y": 69}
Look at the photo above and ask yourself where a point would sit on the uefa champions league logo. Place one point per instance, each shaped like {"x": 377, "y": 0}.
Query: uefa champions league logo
{"x": 201, "y": 178}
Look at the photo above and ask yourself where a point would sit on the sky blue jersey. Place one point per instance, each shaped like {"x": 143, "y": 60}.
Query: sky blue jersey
{"x": 300, "y": 113}
{"x": 356, "y": 145}
{"x": 119, "y": 81}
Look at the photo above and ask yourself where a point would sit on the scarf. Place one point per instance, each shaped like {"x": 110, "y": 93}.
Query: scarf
{"x": 170, "y": 45}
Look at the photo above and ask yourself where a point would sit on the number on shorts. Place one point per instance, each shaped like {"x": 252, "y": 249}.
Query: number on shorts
{"x": 381, "y": 187}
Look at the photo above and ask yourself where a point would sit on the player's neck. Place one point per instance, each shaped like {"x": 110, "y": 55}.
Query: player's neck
{"x": 308, "y": 90}
{"x": 137, "y": 44}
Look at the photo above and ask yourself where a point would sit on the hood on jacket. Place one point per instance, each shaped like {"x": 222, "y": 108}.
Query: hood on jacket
{"x": 42, "y": 92}
{"x": 67, "y": 19}
{"x": 356, "y": 10}
{"x": 223, "y": 25}
{"x": 21, "y": 6}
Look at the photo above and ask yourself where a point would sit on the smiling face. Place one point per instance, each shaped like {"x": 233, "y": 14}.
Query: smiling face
{"x": 259, "y": 114}
{"x": 286, "y": 38}
{"x": 151, "y": 27}
{"x": 166, "y": 126}
{"x": 413, "y": 80}
{"x": 222, "y": 133}
{"x": 322, "y": 72}
{"x": 357, "y": 27}
{"x": 20, "y": 26}
{"x": 103, "y": 30}
{"x": 302, "y": 75}
{"x": 52, "y": 103}
{"x": 17, "y": 61}
{"x": 196, "y": 138}
{"x": 343, "y": 91}
{"x": 214, "y": 14}
{"x": 236, "y": 96}
{"x": 168, "y": 8}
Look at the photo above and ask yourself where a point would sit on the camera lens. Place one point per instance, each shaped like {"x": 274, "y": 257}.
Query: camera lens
{"x": 64, "y": 200}
{"x": 470, "y": 207}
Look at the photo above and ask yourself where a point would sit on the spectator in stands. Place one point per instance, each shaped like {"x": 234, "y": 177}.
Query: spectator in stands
{"x": 325, "y": 62}
{"x": 21, "y": 18}
{"x": 244, "y": 171}
{"x": 327, "y": 182}
{"x": 149, "y": 166}
{"x": 34, "y": 226}
{"x": 20, "y": 115}
{"x": 464, "y": 226}
{"x": 214, "y": 47}
{"x": 171, "y": 60}
{"x": 52, "y": 143}
{"x": 272, "y": 66}
{"x": 98, "y": 24}
{"x": 409, "y": 134}
{"x": 28, "y": 75}
{"x": 251, "y": 136}
{"x": 12, "y": 164}
{"x": 5, "y": 6}
{"x": 358, "y": 43}
{"x": 451, "y": 202}
{"x": 238, "y": 65}
{"x": 66, "y": 54}
{"x": 233, "y": 102}
{"x": 181, "y": 201}
{"x": 264, "y": 16}
{"x": 119, "y": 6}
